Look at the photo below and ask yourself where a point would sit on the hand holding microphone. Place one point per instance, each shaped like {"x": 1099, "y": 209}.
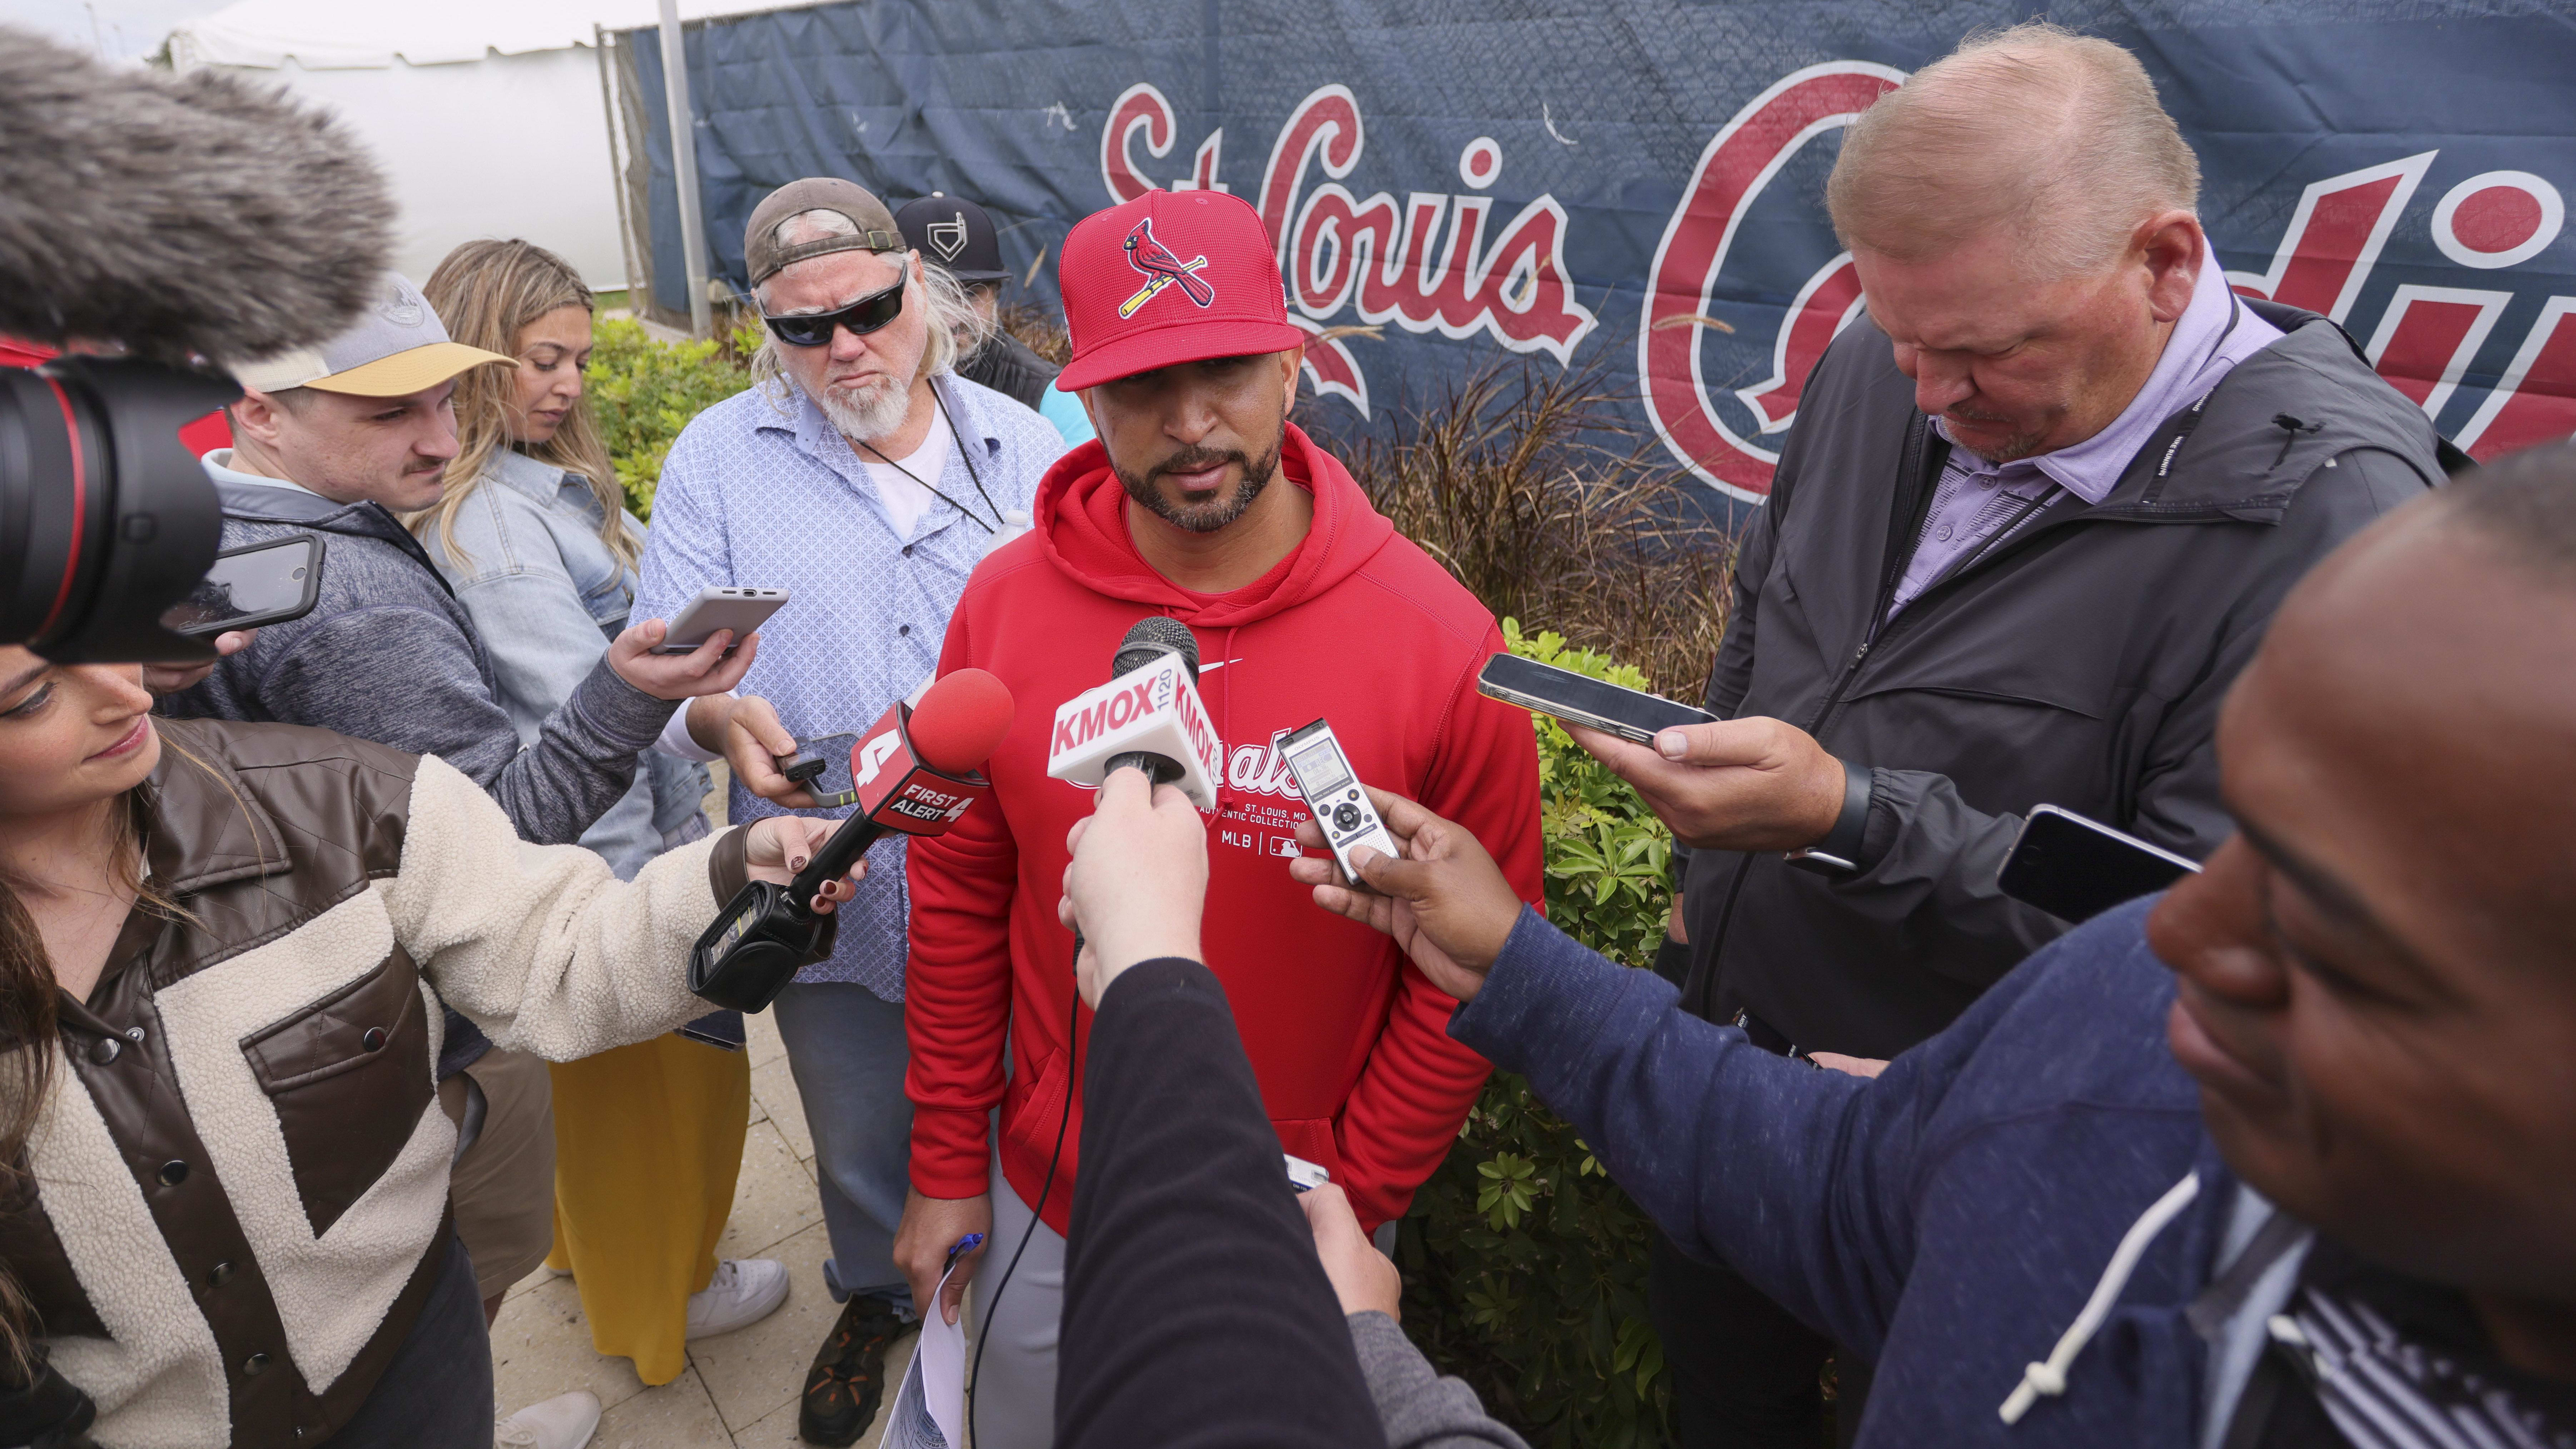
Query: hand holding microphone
{"x": 775, "y": 849}
{"x": 1137, "y": 882}
{"x": 915, "y": 771}
{"x": 1444, "y": 901}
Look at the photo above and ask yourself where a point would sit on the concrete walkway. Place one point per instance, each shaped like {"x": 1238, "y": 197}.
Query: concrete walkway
{"x": 739, "y": 1389}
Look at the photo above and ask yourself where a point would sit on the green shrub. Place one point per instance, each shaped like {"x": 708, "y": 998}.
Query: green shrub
{"x": 1525, "y": 1266}
{"x": 644, "y": 390}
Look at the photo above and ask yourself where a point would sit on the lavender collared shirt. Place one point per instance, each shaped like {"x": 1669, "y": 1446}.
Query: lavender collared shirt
{"x": 1977, "y": 499}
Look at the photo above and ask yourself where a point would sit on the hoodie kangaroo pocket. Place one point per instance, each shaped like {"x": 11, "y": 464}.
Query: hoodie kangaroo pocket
{"x": 350, "y": 1077}
{"x": 1030, "y": 1127}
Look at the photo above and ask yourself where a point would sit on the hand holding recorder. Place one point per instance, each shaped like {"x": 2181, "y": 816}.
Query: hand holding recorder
{"x": 1441, "y": 897}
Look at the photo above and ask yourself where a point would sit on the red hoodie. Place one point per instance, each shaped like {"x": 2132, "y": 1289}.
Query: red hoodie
{"x": 1349, "y": 1041}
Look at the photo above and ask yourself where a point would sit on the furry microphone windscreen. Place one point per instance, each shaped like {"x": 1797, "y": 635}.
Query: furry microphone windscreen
{"x": 177, "y": 215}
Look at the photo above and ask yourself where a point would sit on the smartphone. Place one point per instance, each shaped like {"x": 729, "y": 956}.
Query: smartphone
{"x": 1580, "y": 699}
{"x": 1332, "y": 790}
{"x": 2075, "y": 869}
{"x": 260, "y": 583}
{"x": 741, "y": 610}
{"x": 822, "y": 767}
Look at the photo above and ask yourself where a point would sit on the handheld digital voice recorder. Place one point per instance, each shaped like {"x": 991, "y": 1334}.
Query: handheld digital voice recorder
{"x": 1332, "y": 790}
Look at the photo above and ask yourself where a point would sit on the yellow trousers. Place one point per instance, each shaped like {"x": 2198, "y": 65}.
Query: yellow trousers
{"x": 648, "y": 1142}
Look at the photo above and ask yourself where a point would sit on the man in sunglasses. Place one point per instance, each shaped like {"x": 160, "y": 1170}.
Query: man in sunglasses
{"x": 865, "y": 477}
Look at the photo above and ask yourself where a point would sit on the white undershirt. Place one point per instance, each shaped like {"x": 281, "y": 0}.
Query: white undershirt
{"x": 906, "y": 499}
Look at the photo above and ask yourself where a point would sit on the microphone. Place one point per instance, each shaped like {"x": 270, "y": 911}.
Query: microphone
{"x": 915, "y": 771}
{"x": 1148, "y": 715}
{"x": 197, "y": 213}
{"x": 1153, "y": 637}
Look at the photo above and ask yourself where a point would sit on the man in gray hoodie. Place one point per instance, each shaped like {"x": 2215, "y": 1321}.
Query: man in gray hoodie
{"x": 338, "y": 441}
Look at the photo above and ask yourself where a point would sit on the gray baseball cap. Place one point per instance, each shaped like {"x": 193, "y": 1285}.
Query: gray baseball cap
{"x": 397, "y": 347}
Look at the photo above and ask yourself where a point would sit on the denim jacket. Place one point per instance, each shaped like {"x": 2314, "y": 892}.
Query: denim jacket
{"x": 547, "y": 596}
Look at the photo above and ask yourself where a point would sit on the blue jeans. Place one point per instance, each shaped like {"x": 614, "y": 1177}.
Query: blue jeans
{"x": 437, "y": 1392}
{"x": 848, "y": 1052}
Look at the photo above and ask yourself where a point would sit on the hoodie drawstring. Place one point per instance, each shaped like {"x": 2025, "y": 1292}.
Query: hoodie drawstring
{"x": 1225, "y": 721}
{"x": 2050, "y": 1378}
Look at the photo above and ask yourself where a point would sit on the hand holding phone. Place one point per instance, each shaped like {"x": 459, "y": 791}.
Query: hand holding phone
{"x": 269, "y": 582}
{"x": 716, "y": 607}
{"x": 1580, "y": 699}
{"x": 821, "y": 767}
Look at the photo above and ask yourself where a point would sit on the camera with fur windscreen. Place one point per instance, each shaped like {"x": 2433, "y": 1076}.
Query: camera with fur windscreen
{"x": 168, "y": 229}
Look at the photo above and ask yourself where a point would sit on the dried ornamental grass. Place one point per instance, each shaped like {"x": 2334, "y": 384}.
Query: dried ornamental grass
{"x": 1551, "y": 509}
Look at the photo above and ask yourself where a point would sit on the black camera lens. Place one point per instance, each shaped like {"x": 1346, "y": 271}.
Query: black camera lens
{"x": 105, "y": 518}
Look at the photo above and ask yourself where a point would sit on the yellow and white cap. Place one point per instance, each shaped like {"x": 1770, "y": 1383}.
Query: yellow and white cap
{"x": 397, "y": 347}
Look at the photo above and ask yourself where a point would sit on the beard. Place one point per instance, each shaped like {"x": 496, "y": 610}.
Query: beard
{"x": 866, "y": 413}
{"x": 1214, "y": 514}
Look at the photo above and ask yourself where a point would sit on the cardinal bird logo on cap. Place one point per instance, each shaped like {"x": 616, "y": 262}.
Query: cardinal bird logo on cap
{"x": 1162, "y": 269}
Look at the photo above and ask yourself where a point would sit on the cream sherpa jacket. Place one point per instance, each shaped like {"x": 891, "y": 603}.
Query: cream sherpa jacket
{"x": 241, "y": 1169}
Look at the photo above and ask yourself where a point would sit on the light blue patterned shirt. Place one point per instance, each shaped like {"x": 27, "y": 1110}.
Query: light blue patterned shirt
{"x": 760, "y": 491}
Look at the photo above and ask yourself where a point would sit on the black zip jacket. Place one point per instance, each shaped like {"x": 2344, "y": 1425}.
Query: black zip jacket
{"x": 1008, "y": 366}
{"x": 2079, "y": 662}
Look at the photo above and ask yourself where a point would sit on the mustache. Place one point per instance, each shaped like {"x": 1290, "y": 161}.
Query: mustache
{"x": 1971, "y": 415}
{"x": 1195, "y": 460}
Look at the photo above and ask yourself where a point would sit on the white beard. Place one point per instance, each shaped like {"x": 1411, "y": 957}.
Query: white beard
{"x": 864, "y": 416}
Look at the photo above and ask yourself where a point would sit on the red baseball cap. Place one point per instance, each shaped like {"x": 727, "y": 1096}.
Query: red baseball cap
{"x": 1170, "y": 277}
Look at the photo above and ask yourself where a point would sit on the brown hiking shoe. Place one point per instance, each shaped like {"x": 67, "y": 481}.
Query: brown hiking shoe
{"x": 846, "y": 1385}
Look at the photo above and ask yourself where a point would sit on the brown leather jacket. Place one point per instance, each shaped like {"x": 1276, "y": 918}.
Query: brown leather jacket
{"x": 242, "y": 1176}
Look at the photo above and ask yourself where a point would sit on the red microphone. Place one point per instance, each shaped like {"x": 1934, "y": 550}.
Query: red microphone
{"x": 915, "y": 771}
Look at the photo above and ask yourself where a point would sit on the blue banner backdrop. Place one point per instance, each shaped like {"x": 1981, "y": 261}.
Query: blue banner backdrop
{"x": 1640, "y": 186}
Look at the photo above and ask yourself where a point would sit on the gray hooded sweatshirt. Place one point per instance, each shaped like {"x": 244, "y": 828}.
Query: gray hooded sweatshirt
{"x": 388, "y": 655}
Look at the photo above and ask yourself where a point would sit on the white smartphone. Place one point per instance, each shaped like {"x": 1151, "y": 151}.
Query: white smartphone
{"x": 741, "y": 610}
{"x": 1332, "y": 790}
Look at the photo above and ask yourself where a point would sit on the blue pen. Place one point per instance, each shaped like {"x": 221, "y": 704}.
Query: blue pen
{"x": 965, "y": 1245}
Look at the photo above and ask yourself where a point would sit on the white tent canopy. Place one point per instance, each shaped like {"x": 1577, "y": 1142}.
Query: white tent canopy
{"x": 487, "y": 115}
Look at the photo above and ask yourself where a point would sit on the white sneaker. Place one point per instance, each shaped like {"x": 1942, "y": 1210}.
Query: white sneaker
{"x": 743, "y": 1292}
{"x": 565, "y": 1421}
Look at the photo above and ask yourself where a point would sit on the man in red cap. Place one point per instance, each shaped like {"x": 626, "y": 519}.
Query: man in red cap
{"x": 1200, "y": 501}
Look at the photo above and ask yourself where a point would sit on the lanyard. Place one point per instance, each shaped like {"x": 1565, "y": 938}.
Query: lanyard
{"x": 963, "y": 456}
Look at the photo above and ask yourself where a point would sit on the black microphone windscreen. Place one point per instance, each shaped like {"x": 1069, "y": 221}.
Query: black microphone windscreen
{"x": 1156, "y": 634}
{"x": 196, "y": 213}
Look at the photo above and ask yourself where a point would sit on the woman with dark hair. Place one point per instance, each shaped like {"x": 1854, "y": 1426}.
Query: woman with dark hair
{"x": 533, "y": 534}
{"x": 222, "y": 952}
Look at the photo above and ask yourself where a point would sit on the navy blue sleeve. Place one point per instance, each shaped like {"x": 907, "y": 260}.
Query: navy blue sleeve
{"x": 1798, "y": 1177}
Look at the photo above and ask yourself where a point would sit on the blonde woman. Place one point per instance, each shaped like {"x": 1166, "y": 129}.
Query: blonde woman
{"x": 533, "y": 533}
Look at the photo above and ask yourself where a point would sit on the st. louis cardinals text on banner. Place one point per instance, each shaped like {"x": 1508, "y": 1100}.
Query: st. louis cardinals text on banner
{"x": 1638, "y": 189}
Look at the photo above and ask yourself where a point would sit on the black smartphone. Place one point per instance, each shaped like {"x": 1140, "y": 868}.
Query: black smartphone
{"x": 822, "y": 767}
{"x": 261, "y": 583}
{"x": 1630, "y": 714}
{"x": 2075, "y": 869}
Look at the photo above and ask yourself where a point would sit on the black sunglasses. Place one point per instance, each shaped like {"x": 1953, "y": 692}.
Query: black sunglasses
{"x": 814, "y": 329}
